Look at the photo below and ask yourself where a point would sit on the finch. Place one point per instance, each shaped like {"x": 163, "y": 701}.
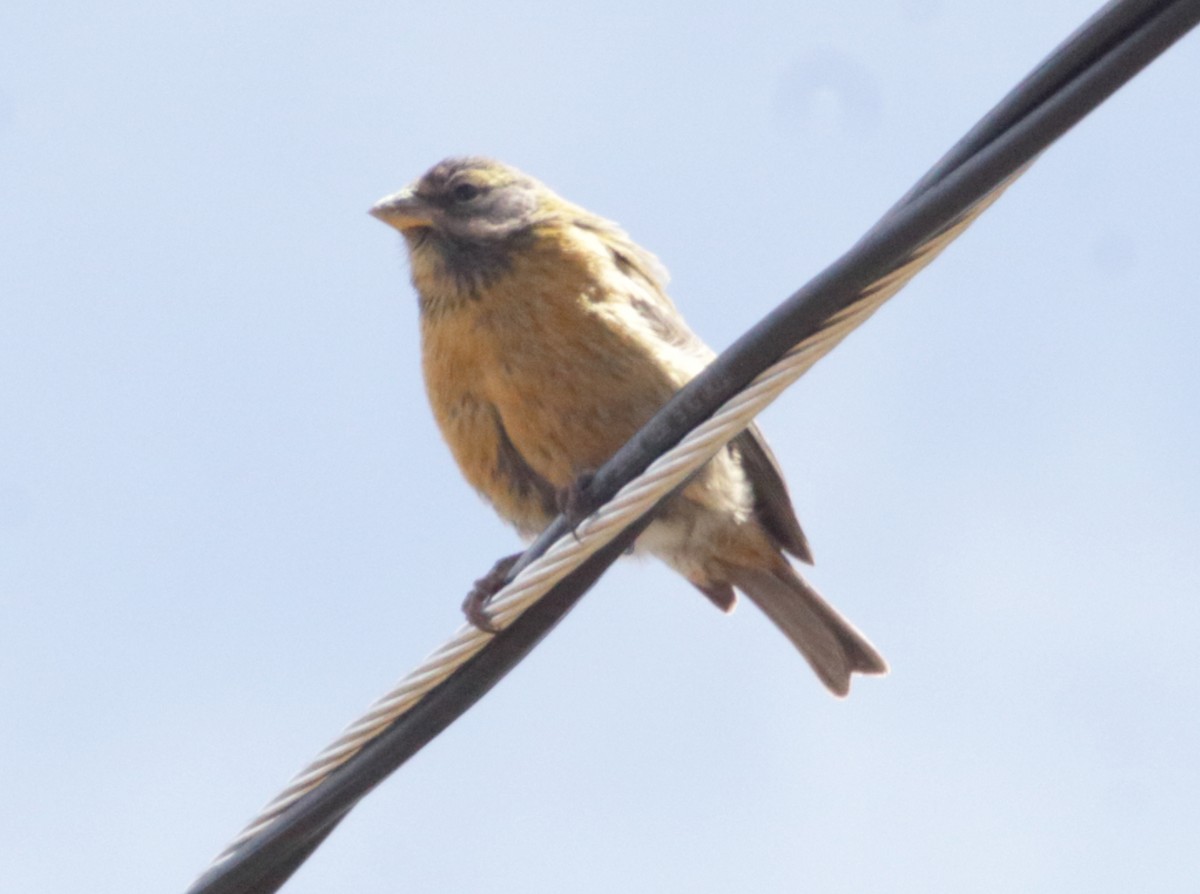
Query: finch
{"x": 547, "y": 341}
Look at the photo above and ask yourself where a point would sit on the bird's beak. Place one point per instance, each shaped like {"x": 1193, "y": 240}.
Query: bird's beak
{"x": 404, "y": 210}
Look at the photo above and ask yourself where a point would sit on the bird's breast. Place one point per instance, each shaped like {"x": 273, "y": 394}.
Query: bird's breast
{"x": 555, "y": 348}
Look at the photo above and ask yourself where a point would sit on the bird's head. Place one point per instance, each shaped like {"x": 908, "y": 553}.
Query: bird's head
{"x": 467, "y": 201}
{"x": 468, "y": 222}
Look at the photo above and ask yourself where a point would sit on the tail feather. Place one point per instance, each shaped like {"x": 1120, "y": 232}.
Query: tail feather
{"x": 830, "y": 643}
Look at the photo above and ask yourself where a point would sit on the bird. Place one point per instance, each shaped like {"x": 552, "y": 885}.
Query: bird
{"x": 547, "y": 341}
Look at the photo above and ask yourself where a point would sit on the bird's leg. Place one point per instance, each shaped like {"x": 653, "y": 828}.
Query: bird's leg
{"x": 476, "y": 603}
{"x": 574, "y": 502}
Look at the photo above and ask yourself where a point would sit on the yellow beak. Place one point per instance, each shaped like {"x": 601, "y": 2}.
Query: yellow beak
{"x": 404, "y": 210}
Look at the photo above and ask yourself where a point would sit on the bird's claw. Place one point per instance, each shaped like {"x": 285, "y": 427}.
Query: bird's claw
{"x": 476, "y": 604}
{"x": 575, "y": 503}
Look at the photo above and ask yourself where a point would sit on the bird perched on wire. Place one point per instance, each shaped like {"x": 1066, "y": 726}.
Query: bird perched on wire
{"x": 547, "y": 341}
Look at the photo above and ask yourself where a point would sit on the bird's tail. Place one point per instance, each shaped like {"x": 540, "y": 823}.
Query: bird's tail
{"x": 829, "y": 642}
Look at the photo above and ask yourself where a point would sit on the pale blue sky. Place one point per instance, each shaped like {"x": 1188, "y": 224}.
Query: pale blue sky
{"x": 227, "y": 521}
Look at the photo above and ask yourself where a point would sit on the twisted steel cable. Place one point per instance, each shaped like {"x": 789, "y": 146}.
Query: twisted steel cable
{"x": 633, "y": 501}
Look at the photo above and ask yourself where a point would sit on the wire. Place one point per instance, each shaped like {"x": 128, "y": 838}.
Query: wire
{"x": 1101, "y": 56}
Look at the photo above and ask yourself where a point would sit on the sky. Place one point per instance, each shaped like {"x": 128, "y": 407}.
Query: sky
{"x": 228, "y": 523}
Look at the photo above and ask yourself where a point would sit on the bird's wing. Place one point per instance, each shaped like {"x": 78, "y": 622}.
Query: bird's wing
{"x": 772, "y": 504}
{"x": 649, "y": 296}
{"x": 771, "y": 501}
{"x": 626, "y": 251}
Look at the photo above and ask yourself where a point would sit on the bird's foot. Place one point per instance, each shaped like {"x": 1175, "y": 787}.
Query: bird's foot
{"x": 475, "y": 606}
{"x": 575, "y": 503}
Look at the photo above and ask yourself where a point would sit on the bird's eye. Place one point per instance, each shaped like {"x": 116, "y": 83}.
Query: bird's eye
{"x": 465, "y": 192}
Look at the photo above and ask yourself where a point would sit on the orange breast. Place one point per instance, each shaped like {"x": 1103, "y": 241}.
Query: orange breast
{"x": 545, "y": 351}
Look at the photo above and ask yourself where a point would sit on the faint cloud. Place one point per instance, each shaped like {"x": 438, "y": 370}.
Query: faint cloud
{"x": 826, "y": 91}
{"x": 1114, "y": 253}
{"x": 16, "y": 506}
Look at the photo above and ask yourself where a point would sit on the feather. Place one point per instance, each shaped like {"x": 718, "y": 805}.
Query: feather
{"x": 830, "y": 643}
{"x": 772, "y": 504}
